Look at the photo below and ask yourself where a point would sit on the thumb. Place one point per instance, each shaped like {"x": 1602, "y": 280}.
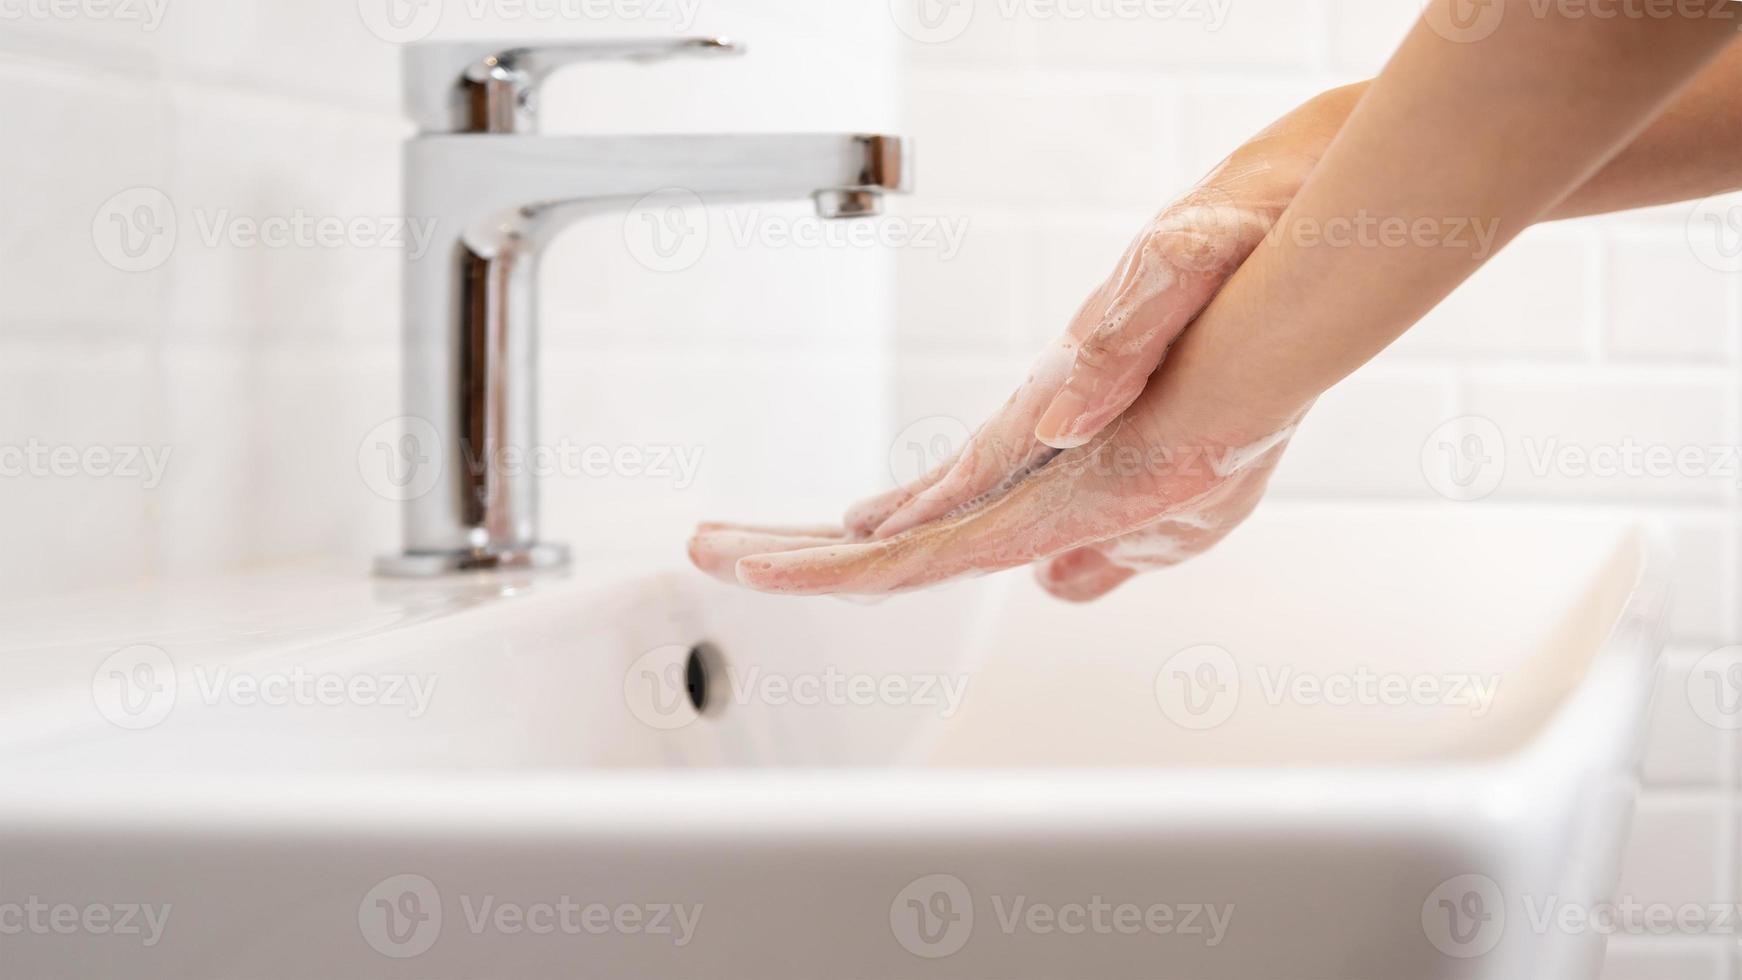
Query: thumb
{"x": 1165, "y": 279}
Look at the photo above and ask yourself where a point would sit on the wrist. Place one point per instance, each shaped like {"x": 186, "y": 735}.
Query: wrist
{"x": 1313, "y": 124}
{"x": 1221, "y": 377}
{"x": 1308, "y": 129}
{"x": 1279, "y": 157}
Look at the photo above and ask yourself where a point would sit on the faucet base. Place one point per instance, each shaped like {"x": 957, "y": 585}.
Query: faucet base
{"x": 426, "y": 564}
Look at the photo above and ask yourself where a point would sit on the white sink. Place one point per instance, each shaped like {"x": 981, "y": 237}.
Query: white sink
{"x": 1218, "y": 772}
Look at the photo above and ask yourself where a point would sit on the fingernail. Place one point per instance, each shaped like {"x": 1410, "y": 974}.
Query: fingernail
{"x": 1057, "y": 426}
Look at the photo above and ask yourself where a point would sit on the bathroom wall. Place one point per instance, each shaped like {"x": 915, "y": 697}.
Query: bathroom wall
{"x": 1051, "y": 131}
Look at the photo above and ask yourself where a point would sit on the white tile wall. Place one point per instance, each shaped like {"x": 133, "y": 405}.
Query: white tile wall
{"x": 1543, "y": 411}
{"x": 1591, "y": 332}
{"x": 249, "y": 365}
{"x": 1505, "y": 310}
{"x": 1663, "y": 307}
{"x": 1083, "y": 141}
{"x": 1671, "y": 860}
{"x": 1219, "y": 34}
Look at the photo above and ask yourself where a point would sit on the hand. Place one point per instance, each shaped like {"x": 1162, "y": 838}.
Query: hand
{"x": 1083, "y": 381}
{"x": 1148, "y": 491}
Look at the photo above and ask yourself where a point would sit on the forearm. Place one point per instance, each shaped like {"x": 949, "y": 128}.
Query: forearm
{"x": 1450, "y": 139}
{"x": 1692, "y": 149}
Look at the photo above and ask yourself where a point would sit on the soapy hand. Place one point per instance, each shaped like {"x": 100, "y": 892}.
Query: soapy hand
{"x": 1146, "y": 492}
{"x": 1091, "y": 374}
{"x": 1079, "y": 469}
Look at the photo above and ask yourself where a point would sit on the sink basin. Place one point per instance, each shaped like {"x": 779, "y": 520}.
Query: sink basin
{"x": 1371, "y": 744}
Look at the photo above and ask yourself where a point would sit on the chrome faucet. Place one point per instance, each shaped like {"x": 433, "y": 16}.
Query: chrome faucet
{"x": 495, "y": 192}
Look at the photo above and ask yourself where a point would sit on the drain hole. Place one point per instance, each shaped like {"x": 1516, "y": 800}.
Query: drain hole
{"x": 697, "y": 672}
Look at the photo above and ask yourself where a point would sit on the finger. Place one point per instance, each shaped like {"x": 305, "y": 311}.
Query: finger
{"x": 1085, "y": 574}
{"x": 1081, "y": 575}
{"x": 1000, "y": 455}
{"x": 801, "y": 531}
{"x": 1075, "y": 501}
{"x": 1165, "y": 279}
{"x": 716, "y": 548}
{"x": 967, "y": 487}
{"x": 864, "y": 517}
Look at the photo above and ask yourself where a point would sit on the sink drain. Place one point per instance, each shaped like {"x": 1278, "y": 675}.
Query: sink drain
{"x": 699, "y": 669}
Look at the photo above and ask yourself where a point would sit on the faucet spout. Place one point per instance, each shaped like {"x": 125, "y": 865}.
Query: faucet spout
{"x": 484, "y": 189}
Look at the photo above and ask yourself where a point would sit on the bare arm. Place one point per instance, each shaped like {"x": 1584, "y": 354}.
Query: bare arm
{"x": 1692, "y": 149}
{"x": 1500, "y": 131}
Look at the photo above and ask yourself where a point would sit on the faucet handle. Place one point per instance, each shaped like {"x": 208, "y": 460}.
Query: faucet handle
{"x": 492, "y": 87}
